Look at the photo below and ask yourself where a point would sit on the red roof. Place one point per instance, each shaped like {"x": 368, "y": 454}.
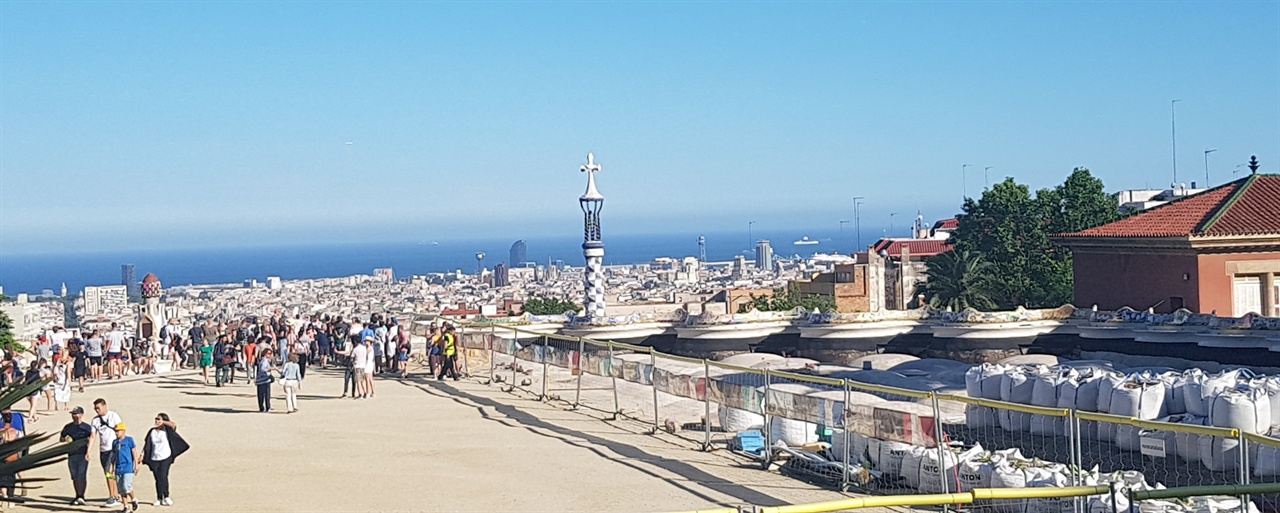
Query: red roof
{"x": 1248, "y": 206}
{"x": 918, "y": 247}
{"x": 947, "y": 224}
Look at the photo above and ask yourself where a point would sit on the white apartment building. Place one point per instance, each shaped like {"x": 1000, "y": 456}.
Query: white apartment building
{"x": 106, "y": 300}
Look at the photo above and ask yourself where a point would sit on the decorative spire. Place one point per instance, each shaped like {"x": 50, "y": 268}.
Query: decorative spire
{"x": 591, "y": 168}
{"x": 1253, "y": 164}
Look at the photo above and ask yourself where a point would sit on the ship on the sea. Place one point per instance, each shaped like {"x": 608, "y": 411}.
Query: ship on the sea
{"x": 805, "y": 241}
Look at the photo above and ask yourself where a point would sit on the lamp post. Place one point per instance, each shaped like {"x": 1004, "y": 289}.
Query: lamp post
{"x": 842, "y": 223}
{"x": 1173, "y": 134}
{"x": 857, "y": 222}
{"x": 891, "y": 214}
{"x": 1206, "y": 166}
{"x": 964, "y": 181}
{"x": 986, "y": 181}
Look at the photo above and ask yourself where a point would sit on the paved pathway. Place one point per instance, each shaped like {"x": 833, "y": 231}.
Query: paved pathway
{"x": 420, "y": 445}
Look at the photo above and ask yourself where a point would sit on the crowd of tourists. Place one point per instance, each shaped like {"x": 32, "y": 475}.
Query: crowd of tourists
{"x": 259, "y": 350}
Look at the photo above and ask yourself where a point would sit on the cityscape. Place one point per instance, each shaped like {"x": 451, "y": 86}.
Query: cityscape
{"x": 833, "y": 256}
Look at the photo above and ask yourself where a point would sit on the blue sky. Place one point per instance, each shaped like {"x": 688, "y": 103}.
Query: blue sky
{"x": 183, "y": 124}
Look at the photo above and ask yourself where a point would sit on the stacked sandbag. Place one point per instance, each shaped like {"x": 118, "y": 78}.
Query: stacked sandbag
{"x": 1266, "y": 462}
{"x": 1044, "y": 392}
{"x": 1141, "y": 397}
{"x": 1272, "y": 386}
{"x": 1175, "y": 401}
{"x": 1017, "y": 386}
{"x": 792, "y": 432}
{"x": 886, "y": 456}
{"x": 1107, "y": 384}
{"x": 976, "y": 472}
{"x": 1055, "y": 476}
{"x": 983, "y": 382}
{"x": 922, "y": 471}
{"x": 1200, "y": 389}
{"x": 1021, "y": 474}
{"x": 733, "y": 420}
{"x": 858, "y": 443}
{"x": 1244, "y": 407}
{"x": 1218, "y": 504}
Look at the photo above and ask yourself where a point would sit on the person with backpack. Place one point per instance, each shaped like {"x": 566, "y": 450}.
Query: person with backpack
{"x": 449, "y": 352}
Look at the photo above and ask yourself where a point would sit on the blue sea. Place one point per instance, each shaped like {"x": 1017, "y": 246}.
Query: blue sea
{"x": 34, "y": 273}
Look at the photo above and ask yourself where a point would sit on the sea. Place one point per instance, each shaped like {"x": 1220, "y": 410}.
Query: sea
{"x": 33, "y": 274}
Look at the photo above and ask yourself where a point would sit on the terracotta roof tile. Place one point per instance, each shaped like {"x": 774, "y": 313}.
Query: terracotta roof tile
{"x": 919, "y": 247}
{"x": 1248, "y": 206}
{"x": 947, "y": 224}
{"x": 1255, "y": 211}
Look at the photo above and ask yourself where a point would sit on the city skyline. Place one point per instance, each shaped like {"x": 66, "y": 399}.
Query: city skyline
{"x": 223, "y": 124}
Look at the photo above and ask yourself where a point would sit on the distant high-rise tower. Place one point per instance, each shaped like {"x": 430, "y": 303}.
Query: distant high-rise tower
{"x": 592, "y": 245}
{"x": 129, "y": 278}
{"x": 518, "y": 254}
{"x": 764, "y": 256}
{"x": 479, "y": 263}
{"x": 501, "y": 277}
{"x": 702, "y": 249}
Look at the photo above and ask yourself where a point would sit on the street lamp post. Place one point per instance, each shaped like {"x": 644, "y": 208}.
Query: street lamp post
{"x": 986, "y": 181}
{"x": 1206, "y": 166}
{"x": 891, "y": 214}
{"x": 1173, "y": 134}
{"x": 964, "y": 181}
{"x": 842, "y": 223}
{"x": 857, "y": 222}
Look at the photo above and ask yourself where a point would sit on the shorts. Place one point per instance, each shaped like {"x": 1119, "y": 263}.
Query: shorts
{"x": 95, "y": 360}
{"x": 359, "y": 372}
{"x": 104, "y": 457}
{"x": 435, "y": 350}
{"x": 113, "y": 356}
{"x": 124, "y": 483}
{"x": 79, "y": 467}
{"x": 404, "y": 357}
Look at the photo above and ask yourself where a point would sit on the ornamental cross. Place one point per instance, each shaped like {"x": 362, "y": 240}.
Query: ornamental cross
{"x": 591, "y": 166}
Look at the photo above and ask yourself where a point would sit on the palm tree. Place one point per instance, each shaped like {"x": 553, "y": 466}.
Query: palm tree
{"x": 20, "y": 450}
{"x": 959, "y": 279}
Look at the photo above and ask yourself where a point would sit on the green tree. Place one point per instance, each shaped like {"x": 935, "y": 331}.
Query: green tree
{"x": 544, "y": 305}
{"x": 957, "y": 280}
{"x": 7, "y": 341}
{"x": 1010, "y": 228}
{"x": 23, "y": 449}
{"x": 788, "y": 298}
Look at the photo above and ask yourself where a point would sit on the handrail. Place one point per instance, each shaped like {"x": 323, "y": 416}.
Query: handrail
{"x": 808, "y": 378}
{"x": 939, "y": 499}
{"x": 1197, "y": 491}
{"x": 1263, "y": 440}
{"x": 1157, "y": 425}
{"x": 1002, "y": 405}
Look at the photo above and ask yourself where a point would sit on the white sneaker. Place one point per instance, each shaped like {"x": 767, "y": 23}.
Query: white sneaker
{"x": 111, "y": 503}
{"x": 158, "y": 503}
{"x": 168, "y": 501}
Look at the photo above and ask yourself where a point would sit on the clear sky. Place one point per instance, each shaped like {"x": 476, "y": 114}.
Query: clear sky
{"x": 185, "y": 124}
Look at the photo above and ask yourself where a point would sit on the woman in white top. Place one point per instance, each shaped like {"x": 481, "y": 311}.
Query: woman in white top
{"x": 291, "y": 379}
{"x": 62, "y": 383}
{"x": 161, "y": 447}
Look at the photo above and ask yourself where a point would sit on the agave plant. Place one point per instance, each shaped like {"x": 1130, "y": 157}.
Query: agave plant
{"x": 20, "y": 450}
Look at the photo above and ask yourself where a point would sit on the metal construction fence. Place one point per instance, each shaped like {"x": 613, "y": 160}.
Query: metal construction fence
{"x": 885, "y": 440}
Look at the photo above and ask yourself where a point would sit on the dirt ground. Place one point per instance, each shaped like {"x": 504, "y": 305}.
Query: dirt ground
{"x": 419, "y": 445}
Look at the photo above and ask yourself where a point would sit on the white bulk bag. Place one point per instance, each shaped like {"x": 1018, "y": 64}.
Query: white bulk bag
{"x": 887, "y": 456}
{"x": 857, "y": 446}
{"x": 1201, "y": 389}
{"x": 1044, "y": 392}
{"x": 1106, "y": 385}
{"x": 1086, "y": 398}
{"x": 1054, "y": 476}
{"x": 1183, "y": 445}
{"x": 1016, "y": 387}
{"x": 1272, "y": 386}
{"x": 1005, "y": 474}
{"x": 929, "y": 479}
{"x": 733, "y": 420}
{"x": 1175, "y": 401}
{"x": 1218, "y": 504}
{"x": 911, "y": 463}
{"x": 981, "y": 417}
{"x": 794, "y": 433}
{"x": 1220, "y": 454}
{"x": 1138, "y": 397}
{"x": 1266, "y": 462}
{"x": 983, "y": 381}
{"x": 1243, "y": 407}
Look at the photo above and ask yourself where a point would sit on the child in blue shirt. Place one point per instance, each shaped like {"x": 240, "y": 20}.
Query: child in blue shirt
{"x": 126, "y": 456}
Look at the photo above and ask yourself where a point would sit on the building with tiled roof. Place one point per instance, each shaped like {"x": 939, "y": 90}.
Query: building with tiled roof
{"x": 1213, "y": 252}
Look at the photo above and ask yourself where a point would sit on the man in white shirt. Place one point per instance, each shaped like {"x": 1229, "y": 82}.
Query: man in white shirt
{"x": 115, "y": 347}
{"x": 104, "y": 433}
{"x": 359, "y": 354}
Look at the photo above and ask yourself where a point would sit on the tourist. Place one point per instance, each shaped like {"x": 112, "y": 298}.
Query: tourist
{"x": 323, "y": 345}
{"x": 359, "y": 357}
{"x": 223, "y": 358}
{"x": 302, "y": 348}
{"x": 78, "y": 460}
{"x": 32, "y": 376}
{"x": 370, "y": 365}
{"x": 264, "y": 379}
{"x": 104, "y": 433}
{"x": 402, "y": 357}
{"x": 95, "y": 346}
{"x": 8, "y": 433}
{"x": 250, "y": 355}
{"x": 291, "y": 379}
{"x": 125, "y": 457}
{"x": 449, "y": 354}
{"x": 162, "y": 445}
{"x": 115, "y": 351}
{"x": 206, "y": 359}
{"x": 61, "y": 384}
{"x": 80, "y": 365}
{"x": 344, "y": 358}
{"x": 434, "y": 350}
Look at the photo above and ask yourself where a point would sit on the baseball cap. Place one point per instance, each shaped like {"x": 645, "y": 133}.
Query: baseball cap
{"x": 120, "y": 427}
{"x": 77, "y": 411}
